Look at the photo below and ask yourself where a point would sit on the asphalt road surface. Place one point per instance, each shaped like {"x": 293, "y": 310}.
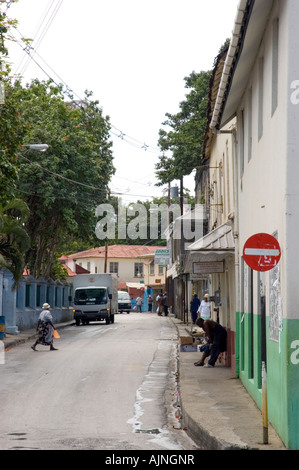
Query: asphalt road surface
{"x": 108, "y": 387}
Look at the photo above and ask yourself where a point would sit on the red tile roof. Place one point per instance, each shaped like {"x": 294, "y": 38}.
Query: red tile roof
{"x": 79, "y": 270}
{"x": 117, "y": 251}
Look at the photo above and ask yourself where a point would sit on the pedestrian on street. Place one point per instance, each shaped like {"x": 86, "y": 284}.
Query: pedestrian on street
{"x": 138, "y": 303}
{"x": 205, "y": 308}
{"x": 150, "y": 303}
{"x": 165, "y": 304}
{"x": 216, "y": 337}
{"x": 159, "y": 301}
{"x": 45, "y": 329}
{"x": 195, "y": 303}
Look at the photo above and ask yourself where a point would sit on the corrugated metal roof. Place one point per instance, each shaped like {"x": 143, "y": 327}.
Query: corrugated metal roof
{"x": 249, "y": 28}
{"x": 219, "y": 239}
{"x": 215, "y": 246}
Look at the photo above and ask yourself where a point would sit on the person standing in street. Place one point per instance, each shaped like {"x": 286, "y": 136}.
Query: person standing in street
{"x": 205, "y": 308}
{"x": 195, "y": 303}
{"x": 216, "y": 337}
{"x": 165, "y": 304}
{"x": 159, "y": 301}
{"x": 138, "y": 303}
{"x": 45, "y": 329}
{"x": 150, "y": 303}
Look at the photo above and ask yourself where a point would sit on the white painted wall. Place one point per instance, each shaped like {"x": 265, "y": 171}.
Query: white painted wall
{"x": 269, "y": 185}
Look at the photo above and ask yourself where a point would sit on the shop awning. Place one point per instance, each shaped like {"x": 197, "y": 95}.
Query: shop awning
{"x": 213, "y": 247}
{"x": 136, "y": 285}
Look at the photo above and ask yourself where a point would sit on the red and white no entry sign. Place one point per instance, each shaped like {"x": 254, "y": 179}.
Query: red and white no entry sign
{"x": 261, "y": 252}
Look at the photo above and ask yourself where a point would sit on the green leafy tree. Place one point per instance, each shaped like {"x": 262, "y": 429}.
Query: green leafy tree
{"x": 181, "y": 142}
{"x": 14, "y": 240}
{"x": 63, "y": 185}
{"x": 11, "y": 126}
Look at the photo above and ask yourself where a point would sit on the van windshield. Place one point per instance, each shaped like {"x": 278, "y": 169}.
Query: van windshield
{"x": 90, "y": 296}
{"x": 123, "y": 296}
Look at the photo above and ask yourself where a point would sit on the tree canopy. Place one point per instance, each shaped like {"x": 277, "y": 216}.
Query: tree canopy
{"x": 63, "y": 185}
{"x": 181, "y": 142}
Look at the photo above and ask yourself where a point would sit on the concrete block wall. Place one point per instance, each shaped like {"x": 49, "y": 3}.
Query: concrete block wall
{"x": 21, "y": 307}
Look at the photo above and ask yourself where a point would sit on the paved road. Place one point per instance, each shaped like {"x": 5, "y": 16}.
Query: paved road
{"x": 105, "y": 388}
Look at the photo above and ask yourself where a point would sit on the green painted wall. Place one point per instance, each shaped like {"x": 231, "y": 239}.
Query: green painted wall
{"x": 282, "y": 373}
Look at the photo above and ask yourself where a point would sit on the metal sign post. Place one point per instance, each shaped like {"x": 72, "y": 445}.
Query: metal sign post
{"x": 261, "y": 252}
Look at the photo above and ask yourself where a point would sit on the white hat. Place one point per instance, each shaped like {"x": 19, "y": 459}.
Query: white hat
{"x": 206, "y": 296}
{"x": 46, "y": 305}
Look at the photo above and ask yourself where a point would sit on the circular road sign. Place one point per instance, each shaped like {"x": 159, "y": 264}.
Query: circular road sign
{"x": 261, "y": 252}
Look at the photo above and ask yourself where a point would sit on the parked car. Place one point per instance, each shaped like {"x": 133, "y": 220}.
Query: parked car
{"x": 124, "y": 302}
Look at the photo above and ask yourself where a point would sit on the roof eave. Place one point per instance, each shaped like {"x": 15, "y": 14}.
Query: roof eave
{"x": 252, "y": 16}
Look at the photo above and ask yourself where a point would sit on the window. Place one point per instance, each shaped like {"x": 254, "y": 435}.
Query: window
{"x": 249, "y": 124}
{"x": 261, "y": 99}
{"x": 241, "y": 141}
{"x": 275, "y": 65}
{"x": 161, "y": 269}
{"x": 113, "y": 267}
{"x": 152, "y": 268}
{"x": 138, "y": 269}
{"x": 251, "y": 322}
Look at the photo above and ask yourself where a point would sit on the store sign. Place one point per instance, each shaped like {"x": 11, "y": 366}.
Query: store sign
{"x": 208, "y": 267}
{"x": 162, "y": 256}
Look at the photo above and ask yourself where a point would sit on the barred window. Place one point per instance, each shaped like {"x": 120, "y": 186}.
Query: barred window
{"x": 138, "y": 269}
{"x": 113, "y": 267}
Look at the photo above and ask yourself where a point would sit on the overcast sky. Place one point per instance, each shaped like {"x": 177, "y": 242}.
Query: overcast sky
{"x": 133, "y": 55}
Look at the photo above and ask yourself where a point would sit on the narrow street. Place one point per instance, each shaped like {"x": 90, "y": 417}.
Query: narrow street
{"x": 108, "y": 387}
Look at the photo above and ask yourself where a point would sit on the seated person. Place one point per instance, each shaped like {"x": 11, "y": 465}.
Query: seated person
{"x": 216, "y": 337}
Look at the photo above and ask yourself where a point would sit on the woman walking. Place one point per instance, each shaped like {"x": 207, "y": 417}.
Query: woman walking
{"x": 45, "y": 329}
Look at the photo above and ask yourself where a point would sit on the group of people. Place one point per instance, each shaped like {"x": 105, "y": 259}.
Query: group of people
{"x": 161, "y": 301}
{"x": 215, "y": 334}
{"x": 162, "y": 304}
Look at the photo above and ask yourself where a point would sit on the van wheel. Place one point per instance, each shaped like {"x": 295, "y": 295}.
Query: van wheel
{"x": 77, "y": 322}
{"x": 108, "y": 321}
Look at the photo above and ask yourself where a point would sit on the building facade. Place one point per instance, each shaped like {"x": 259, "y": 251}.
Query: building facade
{"x": 134, "y": 265}
{"x": 259, "y": 88}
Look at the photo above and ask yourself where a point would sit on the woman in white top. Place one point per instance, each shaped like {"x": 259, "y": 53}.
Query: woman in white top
{"x": 204, "y": 309}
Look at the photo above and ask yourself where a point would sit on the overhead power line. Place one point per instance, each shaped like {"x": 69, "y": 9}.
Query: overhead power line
{"x": 67, "y": 91}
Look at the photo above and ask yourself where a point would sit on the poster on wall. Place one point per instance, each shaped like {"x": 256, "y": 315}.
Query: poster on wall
{"x": 275, "y": 305}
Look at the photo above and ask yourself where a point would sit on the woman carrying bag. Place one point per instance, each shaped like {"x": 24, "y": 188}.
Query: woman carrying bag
{"x": 45, "y": 329}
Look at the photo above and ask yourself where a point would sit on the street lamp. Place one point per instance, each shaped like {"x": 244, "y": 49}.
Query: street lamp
{"x": 38, "y": 147}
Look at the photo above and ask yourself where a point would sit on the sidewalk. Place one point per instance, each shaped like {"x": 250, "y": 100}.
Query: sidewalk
{"x": 218, "y": 413}
{"x": 217, "y": 410}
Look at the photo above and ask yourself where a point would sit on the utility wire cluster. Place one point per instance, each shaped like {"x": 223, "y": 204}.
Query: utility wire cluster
{"x": 46, "y": 21}
{"x": 31, "y": 51}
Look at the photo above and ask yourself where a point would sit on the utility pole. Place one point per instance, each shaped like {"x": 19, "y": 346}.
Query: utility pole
{"x": 182, "y": 245}
{"x": 106, "y": 256}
